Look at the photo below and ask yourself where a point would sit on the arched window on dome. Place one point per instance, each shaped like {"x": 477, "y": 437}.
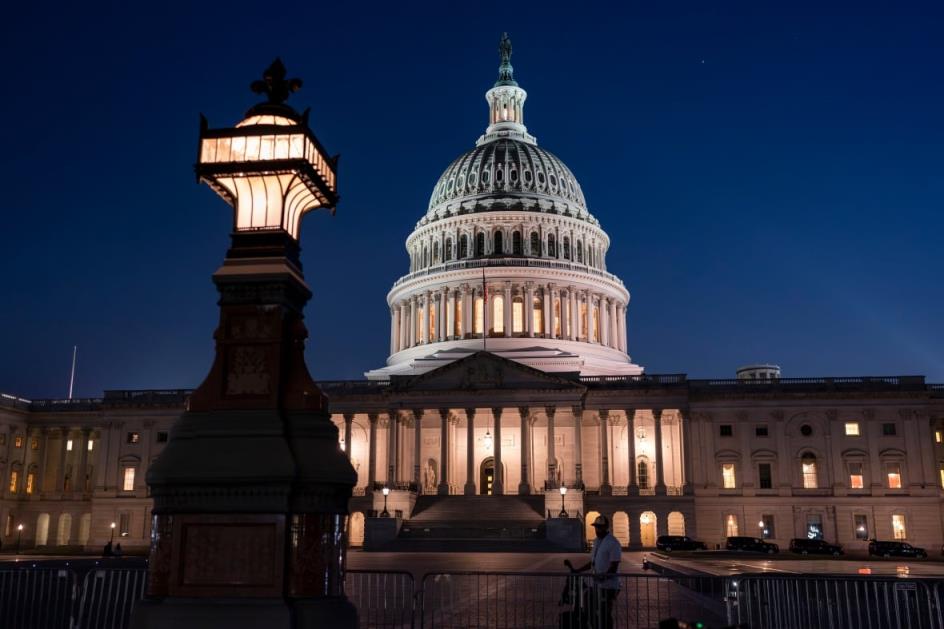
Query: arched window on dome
{"x": 498, "y": 316}
{"x": 551, "y": 246}
{"x": 538, "y": 319}
{"x": 463, "y": 247}
{"x": 566, "y": 248}
{"x": 535, "y": 244}
{"x": 499, "y": 243}
{"x": 516, "y": 244}
{"x": 479, "y": 244}
{"x": 517, "y": 315}
{"x": 435, "y": 253}
{"x": 448, "y": 257}
{"x": 579, "y": 248}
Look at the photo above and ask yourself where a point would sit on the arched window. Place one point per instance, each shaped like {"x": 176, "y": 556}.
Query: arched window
{"x": 579, "y": 252}
{"x": 730, "y": 525}
{"x": 498, "y": 315}
{"x": 538, "y": 317}
{"x": 642, "y": 474}
{"x": 435, "y": 253}
{"x": 596, "y": 323}
{"x": 516, "y": 245}
{"x": 535, "y": 244}
{"x": 499, "y": 247}
{"x": 566, "y": 248}
{"x": 448, "y": 249}
{"x": 557, "y": 317}
{"x": 425, "y": 256}
{"x": 479, "y": 244}
{"x": 517, "y": 315}
{"x": 463, "y": 247}
{"x": 458, "y": 331}
{"x": 551, "y": 246}
{"x": 478, "y": 315}
{"x": 808, "y": 469}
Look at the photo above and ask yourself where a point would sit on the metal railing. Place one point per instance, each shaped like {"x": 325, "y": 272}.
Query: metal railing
{"x": 382, "y": 599}
{"x": 38, "y": 598}
{"x": 777, "y": 602}
{"x": 108, "y": 597}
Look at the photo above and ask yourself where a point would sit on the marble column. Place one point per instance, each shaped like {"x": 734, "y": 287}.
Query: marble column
{"x": 551, "y": 459}
{"x": 614, "y": 327}
{"x": 547, "y": 311}
{"x": 61, "y": 472}
{"x": 404, "y": 326}
{"x": 444, "y": 317}
{"x": 443, "y": 488}
{"x": 524, "y": 487}
{"x": 487, "y": 309}
{"x": 470, "y": 452}
{"x": 412, "y": 321}
{"x": 578, "y": 445}
{"x": 574, "y": 314}
{"x": 660, "y": 473}
{"x": 424, "y": 318}
{"x": 450, "y": 316}
{"x": 622, "y": 328}
{"x": 372, "y": 452}
{"x": 551, "y": 313}
{"x": 605, "y": 488}
{"x": 587, "y": 305}
{"x": 348, "y": 427}
{"x": 498, "y": 484}
{"x": 393, "y": 330}
{"x": 392, "y": 425}
{"x": 632, "y": 489}
{"x": 529, "y": 308}
{"x": 417, "y": 449}
{"x": 604, "y": 322}
{"x": 684, "y": 421}
{"x": 468, "y": 326}
{"x": 508, "y": 306}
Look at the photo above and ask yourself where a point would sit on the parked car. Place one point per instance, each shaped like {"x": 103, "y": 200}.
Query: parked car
{"x": 895, "y": 549}
{"x": 751, "y": 544}
{"x": 669, "y": 543}
{"x": 814, "y": 547}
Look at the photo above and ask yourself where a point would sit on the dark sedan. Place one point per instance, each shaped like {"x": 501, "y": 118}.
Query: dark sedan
{"x": 751, "y": 544}
{"x": 896, "y": 549}
{"x": 802, "y": 546}
{"x": 669, "y": 543}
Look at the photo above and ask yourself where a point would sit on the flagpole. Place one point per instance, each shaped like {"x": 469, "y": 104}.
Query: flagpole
{"x": 75, "y": 349}
{"x": 484, "y": 312}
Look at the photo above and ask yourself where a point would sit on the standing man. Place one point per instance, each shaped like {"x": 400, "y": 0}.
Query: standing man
{"x": 604, "y": 563}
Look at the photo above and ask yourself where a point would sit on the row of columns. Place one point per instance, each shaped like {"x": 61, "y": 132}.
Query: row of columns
{"x": 396, "y": 421}
{"x": 38, "y": 460}
{"x": 448, "y": 314}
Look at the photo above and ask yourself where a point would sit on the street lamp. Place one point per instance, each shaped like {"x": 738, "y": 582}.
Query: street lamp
{"x": 112, "y": 532}
{"x": 763, "y": 528}
{"x": 487, "y": 440}
{"x": 563, "y": 512}
{"x": 385, "y": 513}
{"x": 19, "y": 536}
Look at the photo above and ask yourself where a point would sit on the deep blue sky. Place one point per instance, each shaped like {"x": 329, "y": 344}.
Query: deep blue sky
{"x": 770, "y": 176}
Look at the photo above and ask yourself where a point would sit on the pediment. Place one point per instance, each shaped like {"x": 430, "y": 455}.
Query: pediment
{"x": 484, "y": 370}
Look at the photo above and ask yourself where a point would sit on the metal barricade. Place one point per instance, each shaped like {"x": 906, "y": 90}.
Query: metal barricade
{"x": 877, "y": 602}
{"x": 37, "y": 598}
{"x": 109, "y": 596}
{"x": 382, "y": 599}
{"x": 507, "y": 599}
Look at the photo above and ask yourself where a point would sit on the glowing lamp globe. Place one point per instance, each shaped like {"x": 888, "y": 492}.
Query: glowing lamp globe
{"x": 270, "y": 167}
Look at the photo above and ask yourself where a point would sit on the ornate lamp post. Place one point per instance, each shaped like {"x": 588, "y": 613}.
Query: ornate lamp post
{"x": 112, "y": 532}
{"x": 250, "y": 493}
{"x": 385, "y": 513}
{"x": 563, "y": 512}
{"x": 19, "y": 537}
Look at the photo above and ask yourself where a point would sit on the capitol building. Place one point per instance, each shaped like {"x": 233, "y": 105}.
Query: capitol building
{"x": 510, "y": 412}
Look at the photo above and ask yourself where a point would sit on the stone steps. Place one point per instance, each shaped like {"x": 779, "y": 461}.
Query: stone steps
{"x": 489, "y": 509}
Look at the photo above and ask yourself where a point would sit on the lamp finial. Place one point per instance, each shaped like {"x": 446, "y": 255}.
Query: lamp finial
{"x": 274, "y": 84}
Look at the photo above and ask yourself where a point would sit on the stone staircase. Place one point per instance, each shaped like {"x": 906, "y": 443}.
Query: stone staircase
{"x": 474, "y": 523}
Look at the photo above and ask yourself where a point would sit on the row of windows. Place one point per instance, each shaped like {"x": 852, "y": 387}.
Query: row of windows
{"x": 852, "y": 429}
{"x": 814, "y": 526}
{"x": 131, "y": 437}
{"x": 810, "y": 475}
{"x": 467, "y": 248}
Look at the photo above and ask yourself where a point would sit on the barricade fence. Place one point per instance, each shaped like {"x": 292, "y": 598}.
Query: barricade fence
{"x": 43, "y": 598}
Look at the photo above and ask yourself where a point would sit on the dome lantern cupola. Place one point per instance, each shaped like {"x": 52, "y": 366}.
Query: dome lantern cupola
{"x": 506, "y": 102}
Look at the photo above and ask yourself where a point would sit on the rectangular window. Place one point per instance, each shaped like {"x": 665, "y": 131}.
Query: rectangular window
{"x": 128, "y": 479}
{"x": 809, "y": 474}
{"x": 893, "y": 472}
{"x": 517, "y": 316}
{"x": 726, "y": 430}
{"x": 90, "y": 445}
{"x": 856, "y": 479}
{"x": 124, "y": 524}
{"x": 134, "y": 437}
{"x": 162, "y": 437}
{"x": 941, "y": 473}
{"x": 889, "y": 430}
{"x": 14, "y": 481}
{"x": 814, "y": 526}
{"x": 68, "y": 445}
{"x": 938, "y": 436}
{"x": 852, "y": 429}
{"x": 478, "y": 315}
{"x": 731, "y": 525}
{"x": 861, "y": 523}
{"x": 727, "y": 476}
{"x": 34, "y": 444}
{"x": 764, "y": 476}
{"x": 29, "y": 483}
{"x": 898, "y": 526}
{"x": 3, "y": 439}
{"x": 761, "y": 430}
{"x": 767, "y": 526}
{"x": 18, "y": 442}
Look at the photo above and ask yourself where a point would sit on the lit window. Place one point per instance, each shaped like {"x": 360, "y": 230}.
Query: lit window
{"x": 18, "y": 442}
{"x": 727, "y": 475}
{"x": 557, "y": 317}
{"x": 938, "y": 436}
{"x": 14, "y": 481}
{"x": 809, "y": 472}
{"x": 29, "y": 483}
{"x": 731, "y": 526}
{"x": 517, "y": 315}
{"x": 856, "y": 479}
{"x": 898, "y": 526}
{"x": 852, "y": 429}
{"x": 538, "y": 317}
{"x": 34, "y": 444}
{"x": 479, "y": 315}
{"x": 134, "y": 437}
{"x": 91, "y": 444}
{"x": 941, "y": 472}
{"x": 861, "y": 523}
{"x": 128, "y": 483}
{"x": 498, "y": 314}
{"x": 893, "y": 471}
{"x": 69, "y": 445}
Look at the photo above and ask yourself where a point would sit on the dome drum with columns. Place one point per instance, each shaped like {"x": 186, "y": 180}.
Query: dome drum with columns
{"x": 508, "y": 258}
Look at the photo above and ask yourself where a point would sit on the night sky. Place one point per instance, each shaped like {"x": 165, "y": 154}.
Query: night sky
{"x": 770, "y": 177}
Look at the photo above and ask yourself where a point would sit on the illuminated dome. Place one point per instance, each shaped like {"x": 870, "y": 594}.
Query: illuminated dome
{"x": 508, "y": 259}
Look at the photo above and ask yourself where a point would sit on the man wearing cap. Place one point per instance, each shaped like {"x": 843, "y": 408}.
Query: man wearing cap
{"x": 604, "y": 562}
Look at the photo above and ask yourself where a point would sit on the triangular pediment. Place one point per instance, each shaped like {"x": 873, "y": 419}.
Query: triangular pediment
{"x": 484, "y": 370}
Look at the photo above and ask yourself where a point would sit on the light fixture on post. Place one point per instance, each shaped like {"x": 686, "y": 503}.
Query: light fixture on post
{"x": 281, "y": 518}
{"x": 342, "y": 444}
{"x": 763, "y": 528}
{"x": 19, "y": 537}
{"x": 563, "y": 512}
{"x": 385, "y": 513}
{"x": 640, "y": 433}
{"x": 112, "y": 532}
